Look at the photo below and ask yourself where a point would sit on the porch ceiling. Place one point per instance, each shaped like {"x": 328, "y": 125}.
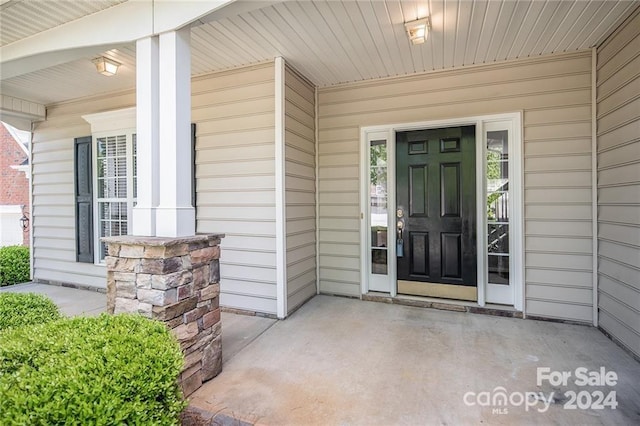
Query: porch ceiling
{"x": 20, "y": 19}
{"x": 333, "y": 42}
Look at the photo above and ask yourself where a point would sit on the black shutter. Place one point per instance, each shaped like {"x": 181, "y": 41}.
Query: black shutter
{"x": 83, "y": 199}
{"x": 193, "y": 165}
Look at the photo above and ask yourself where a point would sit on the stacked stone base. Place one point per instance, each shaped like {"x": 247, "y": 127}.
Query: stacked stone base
{"x": 174, "y": 280}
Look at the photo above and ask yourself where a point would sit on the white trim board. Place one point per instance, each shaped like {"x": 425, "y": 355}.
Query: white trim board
{"x": 317, "y": 184}
{"x": 517, "y": 204}
{"x": 594, "y": 184}
{"x": 109, "y": 121}
{"x": 281, "y": 202}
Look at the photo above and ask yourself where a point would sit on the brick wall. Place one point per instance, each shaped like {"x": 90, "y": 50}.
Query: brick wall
{"x": 14, "y": 185}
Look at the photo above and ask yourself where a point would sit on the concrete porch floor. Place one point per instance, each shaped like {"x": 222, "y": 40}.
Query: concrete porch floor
{"x": 70, "y": 301}
{"x": 343, "y": 361}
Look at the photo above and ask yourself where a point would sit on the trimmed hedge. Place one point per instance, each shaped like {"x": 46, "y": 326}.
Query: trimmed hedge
{"x": 104, "y": 370}
{"x": 14, "y": 265}
{"x": 18, "y": 309}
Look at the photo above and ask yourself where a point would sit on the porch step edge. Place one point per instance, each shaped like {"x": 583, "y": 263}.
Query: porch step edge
{"x": 444, "y": 306}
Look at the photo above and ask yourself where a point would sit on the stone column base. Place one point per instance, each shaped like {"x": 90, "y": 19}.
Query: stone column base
{"x": 174, "y": 280}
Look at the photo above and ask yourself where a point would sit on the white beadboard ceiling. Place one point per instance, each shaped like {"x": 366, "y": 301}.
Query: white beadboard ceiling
{"x": 23, "y": 18}
{"x": 333, "y": 42}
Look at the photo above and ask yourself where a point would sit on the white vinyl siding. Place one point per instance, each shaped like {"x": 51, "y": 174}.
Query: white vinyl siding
{"x": 234, "y": 116}
{"x": 53, "y": 193}
{"x": 618, "y": 99}
{"x": 300, "y": 182}
{"x": 554, "y": 93}
{"x": 234, "y": 112}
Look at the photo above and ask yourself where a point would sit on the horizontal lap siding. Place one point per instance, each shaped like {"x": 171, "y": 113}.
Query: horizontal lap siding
{"x": 234, "y": 112}
{"x": 618, "y": 98}
{"x": 234, "y": 115}
{"x": 554, "y": 93}
{"x": 300, "y": 189}
{"x": 53, "y": 193}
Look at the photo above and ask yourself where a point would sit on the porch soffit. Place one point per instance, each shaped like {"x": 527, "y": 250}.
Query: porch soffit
{"x": 333, "y": 42}
{"x": 20, "y": 19}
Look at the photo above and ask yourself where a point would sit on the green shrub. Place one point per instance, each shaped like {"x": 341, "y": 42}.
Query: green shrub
{"x": 14, "y": 265}
{"x": 18, "y": 309}
{"x": 106, "y": 370}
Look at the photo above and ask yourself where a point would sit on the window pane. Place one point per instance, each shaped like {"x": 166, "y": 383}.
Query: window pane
{"x": 497, "y": 166}
{"x": 497, "y": 186}
{"x": 135, "y": 167}
{"x": 101, "y": 142}
{"x": 378, "y": 205}
{"x": 112, "y": 164}
{"x": 378, "y": 180}
{"x": 112, "y": 218}
{"x": 498, "y": 142}
{"x": 121, "y": 188}
{"x": 498, "y": 269}
{"x": 498, "y": 238}
{"x": 379, "y": 236}
{"x": 498, "y": 206}
{"x": 379, "y": 261}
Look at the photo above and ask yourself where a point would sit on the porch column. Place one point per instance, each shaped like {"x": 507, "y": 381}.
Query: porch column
{"x": 176, "y": 281}
{"x": 147, "y": 131}
{"x": 175, "y": 216}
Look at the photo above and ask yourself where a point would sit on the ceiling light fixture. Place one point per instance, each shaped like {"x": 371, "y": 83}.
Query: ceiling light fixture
{"x": 106, "y": 66}
{"x": 418, "y": 30}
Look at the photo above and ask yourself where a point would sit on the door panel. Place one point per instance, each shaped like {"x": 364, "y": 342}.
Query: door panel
{"x": 419, "y": 254}
{"x": 436, "y": 211}
{"x": 450, "y": 189}
{"x": 418, "y": 202}
{"x": 451, "y": 250}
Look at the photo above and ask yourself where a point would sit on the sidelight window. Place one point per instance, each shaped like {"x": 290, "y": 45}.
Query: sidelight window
{"x": 378, "y": 206}
{"x": 377, "y": 175}
{"x": 497, "y": 169}
{"x": 502, "y": 211}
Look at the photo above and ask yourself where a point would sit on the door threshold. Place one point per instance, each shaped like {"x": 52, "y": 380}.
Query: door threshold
{"x": 444, "y": 304}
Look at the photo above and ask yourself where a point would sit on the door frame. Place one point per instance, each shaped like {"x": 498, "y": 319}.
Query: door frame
{"x": 516, "y": 173}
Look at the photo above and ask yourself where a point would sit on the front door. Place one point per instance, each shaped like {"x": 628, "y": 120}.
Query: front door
{"x": 436, "y": 213}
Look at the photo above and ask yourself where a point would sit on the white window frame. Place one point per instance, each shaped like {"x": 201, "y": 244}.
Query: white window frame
{"x": 105, "y": 124}
{"x": 379, "y": 282}
{"x": 516, "y": 185}
{"x": 498, "y": 293}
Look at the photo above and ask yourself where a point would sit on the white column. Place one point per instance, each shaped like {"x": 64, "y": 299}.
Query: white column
{"x": 175, "y": 216}
{"x": 147, "y": 131}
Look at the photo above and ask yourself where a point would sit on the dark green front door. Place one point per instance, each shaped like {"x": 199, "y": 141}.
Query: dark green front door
{"x": 436, "y": 212}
